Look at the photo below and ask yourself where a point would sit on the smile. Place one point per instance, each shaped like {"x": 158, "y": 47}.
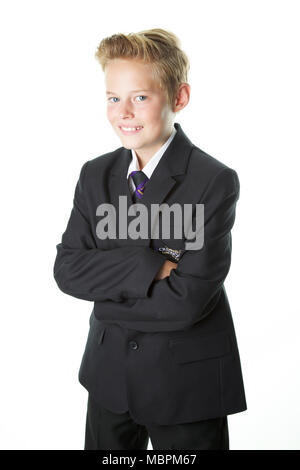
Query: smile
{"x": 130, "y": 130}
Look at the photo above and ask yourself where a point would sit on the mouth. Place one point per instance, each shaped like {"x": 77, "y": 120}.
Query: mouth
{"x": 130, "y": 130}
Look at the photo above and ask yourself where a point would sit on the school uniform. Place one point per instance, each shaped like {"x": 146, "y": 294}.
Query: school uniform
{"x": 161, "y": 358}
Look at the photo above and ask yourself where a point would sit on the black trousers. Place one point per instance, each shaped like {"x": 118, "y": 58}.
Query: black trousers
{"x": 109, "y": 431}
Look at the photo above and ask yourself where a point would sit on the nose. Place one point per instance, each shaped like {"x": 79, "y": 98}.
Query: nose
{"x": 126, "y": 115}
{"x": 126, "y": 110}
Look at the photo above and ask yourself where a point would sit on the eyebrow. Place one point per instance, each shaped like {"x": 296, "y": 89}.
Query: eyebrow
{"x": 132, "y": 91}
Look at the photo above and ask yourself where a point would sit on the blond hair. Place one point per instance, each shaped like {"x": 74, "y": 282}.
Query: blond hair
{"x": 158, "y": 47}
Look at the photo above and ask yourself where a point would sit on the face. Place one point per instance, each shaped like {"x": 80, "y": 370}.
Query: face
{"x": 135, "y": 100}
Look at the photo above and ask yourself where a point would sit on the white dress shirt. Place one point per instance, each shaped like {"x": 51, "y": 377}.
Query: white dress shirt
{"x": 150, "y": 166}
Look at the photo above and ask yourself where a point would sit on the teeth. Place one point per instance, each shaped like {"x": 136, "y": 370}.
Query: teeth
{"x": 131, "y": 128}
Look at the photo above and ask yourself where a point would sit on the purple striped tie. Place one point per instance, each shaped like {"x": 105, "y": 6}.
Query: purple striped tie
{"x": 140, "y": 180}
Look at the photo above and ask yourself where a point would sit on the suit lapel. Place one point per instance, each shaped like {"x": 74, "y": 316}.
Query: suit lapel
{"x": 172, "y": 164}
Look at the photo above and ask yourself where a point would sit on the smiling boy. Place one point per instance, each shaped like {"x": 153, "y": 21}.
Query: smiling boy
{"x": 140, "y": 102}
{"x": 161, "y": 358}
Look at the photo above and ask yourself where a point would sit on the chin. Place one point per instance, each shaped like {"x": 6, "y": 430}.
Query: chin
{"x": 130, "y": 143}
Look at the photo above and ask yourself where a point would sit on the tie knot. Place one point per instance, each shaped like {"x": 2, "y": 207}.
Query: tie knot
{"x": 140, "y": 179}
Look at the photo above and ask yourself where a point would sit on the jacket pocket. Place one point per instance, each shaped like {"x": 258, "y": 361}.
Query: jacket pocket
{"x": 200, "y": 347}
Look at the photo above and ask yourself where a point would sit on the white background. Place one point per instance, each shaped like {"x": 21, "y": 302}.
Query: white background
{"x": 244, "y": 110}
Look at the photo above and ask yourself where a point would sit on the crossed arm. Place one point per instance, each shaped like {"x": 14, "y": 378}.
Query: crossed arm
{"x": 156, "y": 290}
{"x": 84, "y": 271}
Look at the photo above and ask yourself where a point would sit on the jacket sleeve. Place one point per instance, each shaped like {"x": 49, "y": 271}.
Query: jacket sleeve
{"x": 191, "y": 291}
{"x": 89, "y": 273}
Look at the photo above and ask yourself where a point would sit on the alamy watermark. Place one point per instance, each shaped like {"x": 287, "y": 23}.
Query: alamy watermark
{"x": 160, "y": 217}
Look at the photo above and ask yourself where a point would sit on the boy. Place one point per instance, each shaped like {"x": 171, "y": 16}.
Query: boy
{"x": 161, "y": 358}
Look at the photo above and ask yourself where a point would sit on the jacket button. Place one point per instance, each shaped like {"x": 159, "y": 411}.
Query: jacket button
{"x": 133, "y": 344}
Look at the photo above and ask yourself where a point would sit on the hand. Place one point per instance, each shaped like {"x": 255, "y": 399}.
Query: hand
{"x": 165, "y": 270}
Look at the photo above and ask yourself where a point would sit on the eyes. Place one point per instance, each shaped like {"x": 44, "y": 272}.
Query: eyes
{"x": 140, "y": 96}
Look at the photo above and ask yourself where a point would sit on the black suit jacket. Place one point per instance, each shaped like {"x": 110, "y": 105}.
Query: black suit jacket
{"x": 164, "y": 350}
